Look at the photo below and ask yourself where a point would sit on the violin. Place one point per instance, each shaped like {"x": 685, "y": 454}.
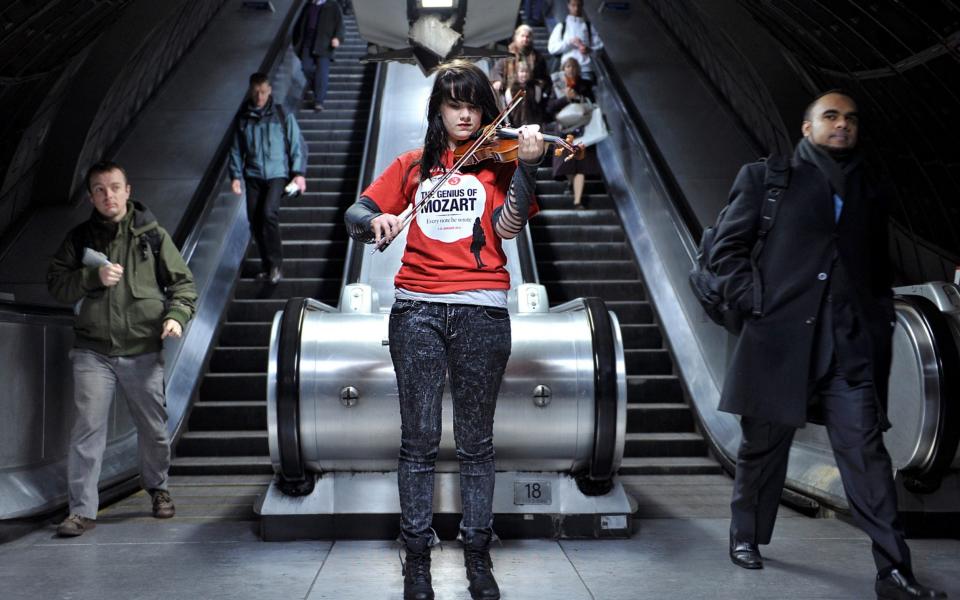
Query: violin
{"x": 492, "y": 141}
{"x": 503, "y": 146}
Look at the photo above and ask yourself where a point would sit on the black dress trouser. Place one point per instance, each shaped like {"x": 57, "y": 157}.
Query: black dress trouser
{"x": 851, "y": 417}
{"x": 263, "y": 213}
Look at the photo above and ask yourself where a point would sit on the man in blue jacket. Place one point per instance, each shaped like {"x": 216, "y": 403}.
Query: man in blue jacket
{"x": 267, "y": 153}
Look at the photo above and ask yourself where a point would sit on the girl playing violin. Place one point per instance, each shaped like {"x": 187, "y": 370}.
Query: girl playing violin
{"x": 450, "y": 312}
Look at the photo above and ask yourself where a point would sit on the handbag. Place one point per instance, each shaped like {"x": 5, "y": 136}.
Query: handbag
{"x": 574, "y": 115}
{"x": 595, "y": 130}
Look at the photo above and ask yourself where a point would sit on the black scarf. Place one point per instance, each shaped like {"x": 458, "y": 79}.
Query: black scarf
{"x": 837, "y": 168}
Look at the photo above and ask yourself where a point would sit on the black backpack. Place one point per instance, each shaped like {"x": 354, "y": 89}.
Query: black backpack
{"x": 704, "y": 282}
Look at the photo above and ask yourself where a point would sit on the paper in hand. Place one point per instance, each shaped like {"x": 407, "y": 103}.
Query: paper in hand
{"x": 92, "y": 258}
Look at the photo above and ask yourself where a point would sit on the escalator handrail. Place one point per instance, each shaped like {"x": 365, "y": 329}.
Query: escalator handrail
{"x": 288, "y": 389}
{"x": 947, "y": 355}
{"x": 662, "y": 172}
{"x": 354, "y": 261}
{"x": 289, "y": 345}
{"x": 602, "y": 464}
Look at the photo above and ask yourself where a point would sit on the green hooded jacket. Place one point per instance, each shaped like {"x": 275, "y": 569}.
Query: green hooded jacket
{"x": 125, "y": 319}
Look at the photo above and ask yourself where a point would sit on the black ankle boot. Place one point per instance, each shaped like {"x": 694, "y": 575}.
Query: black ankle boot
{"x": 476, "y": 557}
{"x": 416, "y": 571}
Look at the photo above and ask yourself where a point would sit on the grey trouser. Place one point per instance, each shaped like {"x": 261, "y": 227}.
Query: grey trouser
{"x": 95, "y": 380}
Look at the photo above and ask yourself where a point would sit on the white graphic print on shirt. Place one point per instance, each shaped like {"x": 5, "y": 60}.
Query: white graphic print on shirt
{"x": 455, "y": 207}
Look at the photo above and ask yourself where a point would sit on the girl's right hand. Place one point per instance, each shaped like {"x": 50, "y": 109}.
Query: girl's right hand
{"x": 385, "y": 226}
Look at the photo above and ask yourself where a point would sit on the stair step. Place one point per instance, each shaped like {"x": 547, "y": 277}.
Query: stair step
{"x": 235, "y": 386}
{"x": 329, "y": 135}
{"x": 576, "y": 217}
{"x": 669, "y": 465}
{"x": 308, "y": 249}
{"x": 252, "y": 359}
{"x": 555, "y": 199}
{"x": 324, "y": 290}
{"x": 300, "y": 267}
{"x": 547, "y": 251}
{"x": 654, "y": 389}
{"x": 570, "y": 289}
{"x": 223, "y": 443}
{"x": 577, "y": 233}
{"x": 245, "y": 334}
{"x": 229, "y": 415}
{"x": 311, "y": 214}
{"x": 313, "y": 231}
{"x": 648, "y": 362}
{"x": 335, "y": 164}
{"x": 631, "y": 312}
{"x": 588, "y": 269}
{"x": 659, "y": 417}
{"x": 221, "y": 465}
{"x": 254, "y": 310}
{"x": 646, "y": 336}
{"x": 665, "y": 444}
{"x": 347, "y": 187}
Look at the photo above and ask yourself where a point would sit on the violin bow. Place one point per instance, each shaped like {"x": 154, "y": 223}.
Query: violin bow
{"x": 411, "y": 210}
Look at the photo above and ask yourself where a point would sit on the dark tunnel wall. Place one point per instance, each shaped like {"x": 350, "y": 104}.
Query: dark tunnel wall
{"x": 766, "y": 58}
{"x": 42, "y": 44}
{"x": 65, "y": 118}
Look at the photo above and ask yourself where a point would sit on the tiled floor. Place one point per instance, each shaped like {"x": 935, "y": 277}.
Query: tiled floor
{"x": 211, "y": 551}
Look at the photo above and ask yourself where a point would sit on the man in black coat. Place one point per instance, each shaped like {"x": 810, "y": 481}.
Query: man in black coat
{"x": 317, "y": 33}
{"x": 823, "y": 341}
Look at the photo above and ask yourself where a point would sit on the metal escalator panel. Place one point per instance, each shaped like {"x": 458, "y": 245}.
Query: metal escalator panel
{"x": 227, "y": 430}
{"x": 924, "y": 404}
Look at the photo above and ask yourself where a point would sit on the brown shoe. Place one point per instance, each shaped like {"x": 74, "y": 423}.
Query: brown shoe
{"x": 163, "y": 507}
{"x": 75, "y": 525}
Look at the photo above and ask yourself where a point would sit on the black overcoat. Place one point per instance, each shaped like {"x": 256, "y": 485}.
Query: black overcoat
{"x": 769, "y": 374}
{"x": 329, "y": 26}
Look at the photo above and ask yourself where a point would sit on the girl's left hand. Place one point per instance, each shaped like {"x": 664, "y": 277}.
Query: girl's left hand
{"x": 531, "y": 144}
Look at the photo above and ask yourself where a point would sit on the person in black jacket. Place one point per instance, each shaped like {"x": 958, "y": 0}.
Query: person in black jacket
{"x": 822, "y": 344}
{"x": 317, "y": 33}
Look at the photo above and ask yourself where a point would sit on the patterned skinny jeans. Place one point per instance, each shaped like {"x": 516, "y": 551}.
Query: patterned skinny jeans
{"x": 428, "y": 340}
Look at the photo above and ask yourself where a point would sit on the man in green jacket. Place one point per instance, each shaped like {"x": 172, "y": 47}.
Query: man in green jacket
{"x": 132, "y": 289}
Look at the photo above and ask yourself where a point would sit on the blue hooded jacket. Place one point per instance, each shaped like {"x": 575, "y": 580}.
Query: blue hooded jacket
{"x": 259, "y": 150}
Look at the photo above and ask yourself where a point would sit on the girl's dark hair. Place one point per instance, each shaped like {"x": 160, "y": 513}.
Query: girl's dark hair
{"x": 458, "y": 81}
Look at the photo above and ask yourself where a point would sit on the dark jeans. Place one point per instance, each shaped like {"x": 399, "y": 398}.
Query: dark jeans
{"x": 851, "y": 417}
{"x": 316, "y": 70}
{"x": 263, "y": 213}
{"x": 428, "y": 340}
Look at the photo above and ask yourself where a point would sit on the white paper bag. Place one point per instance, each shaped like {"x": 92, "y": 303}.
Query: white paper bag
{"x": 595, "y": 130}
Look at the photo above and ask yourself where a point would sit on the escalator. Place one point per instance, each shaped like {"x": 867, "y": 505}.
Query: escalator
{"x": 586, "y": 253}
{"x": 227, "y": 429}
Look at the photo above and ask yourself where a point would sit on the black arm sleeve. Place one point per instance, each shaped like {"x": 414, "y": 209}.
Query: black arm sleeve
{"x": 358, "y": 218}
{"x": 511, "y": 218}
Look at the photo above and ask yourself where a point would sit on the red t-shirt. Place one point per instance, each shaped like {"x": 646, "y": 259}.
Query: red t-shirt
{"x": 451, "y": 244}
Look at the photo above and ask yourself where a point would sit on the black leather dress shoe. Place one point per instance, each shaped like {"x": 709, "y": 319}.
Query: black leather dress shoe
{"x": 745, "y": 554}
{"x": 897, "y": 585}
